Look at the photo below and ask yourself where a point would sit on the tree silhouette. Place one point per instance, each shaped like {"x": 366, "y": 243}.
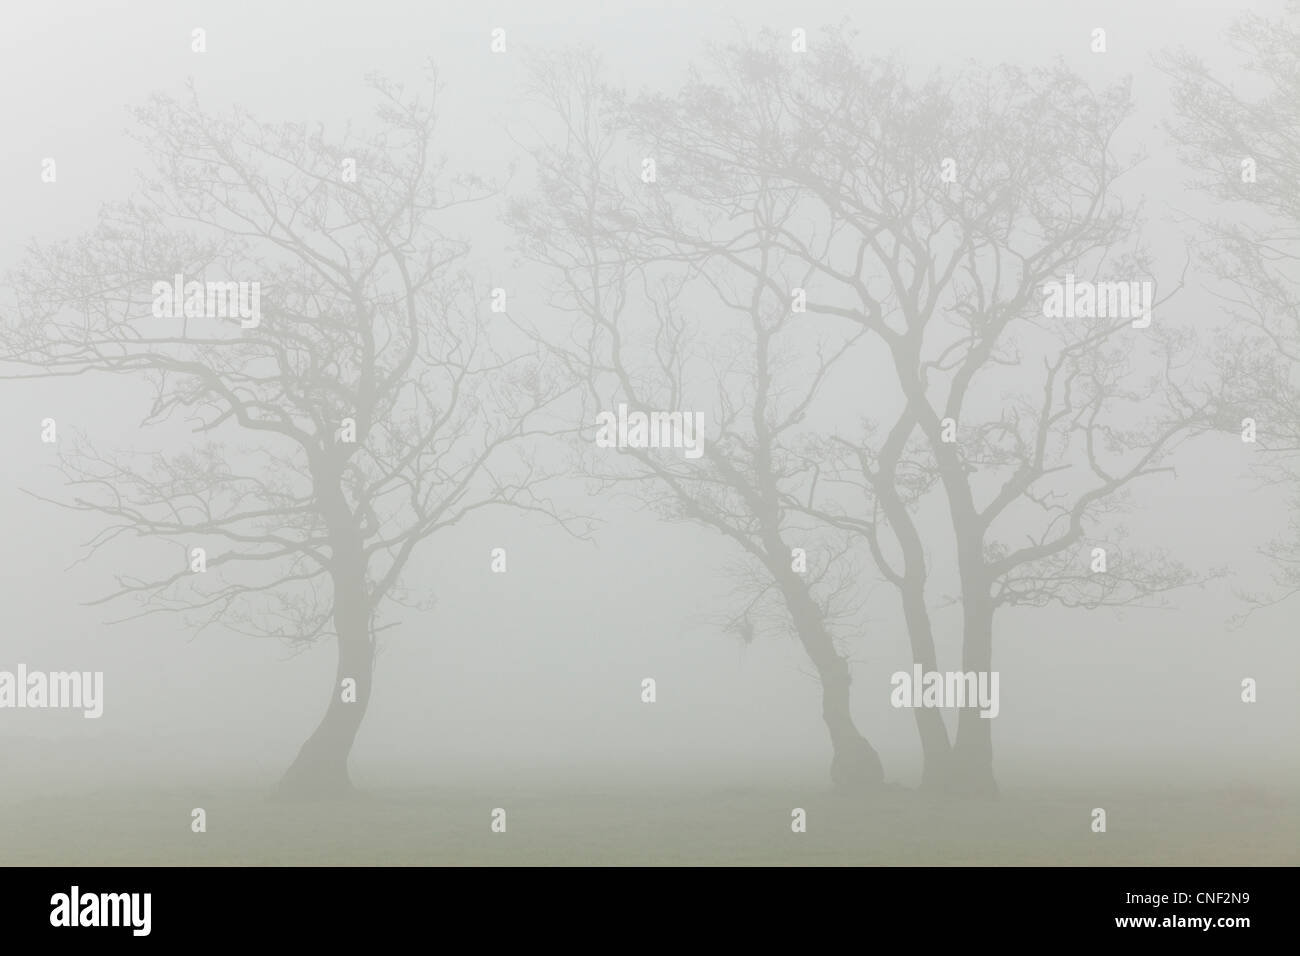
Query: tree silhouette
{"x": 313, "y": 452}
{"x": 930, "y": 215}
{"x": 1245, "y": 151}
{"x": 612, "y": 246}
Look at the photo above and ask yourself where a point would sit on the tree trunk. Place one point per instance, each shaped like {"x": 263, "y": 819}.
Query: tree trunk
{"x": 936, "y": 751}
{"x": 321, "y": 767}
{"x": 855, "y": 765}
{"x": 972, "y": 767}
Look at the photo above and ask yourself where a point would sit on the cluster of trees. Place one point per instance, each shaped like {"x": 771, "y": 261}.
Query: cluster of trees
{"x": 756, "y": 243}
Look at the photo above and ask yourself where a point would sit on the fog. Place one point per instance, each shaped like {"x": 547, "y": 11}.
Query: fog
{"x": 497, "y": 684}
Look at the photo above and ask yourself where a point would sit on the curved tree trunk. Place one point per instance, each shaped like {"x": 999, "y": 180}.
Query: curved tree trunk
{"x": 855, "y": 765}
{"x": 321, "y": 767}
{"x": 936, "y": 751}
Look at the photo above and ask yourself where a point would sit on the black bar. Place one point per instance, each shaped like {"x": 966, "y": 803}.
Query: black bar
{"x": 335, "y": 905}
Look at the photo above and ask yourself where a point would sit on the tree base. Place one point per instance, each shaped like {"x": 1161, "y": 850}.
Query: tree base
{"x": 856, "y": 768}
{"x": 311, "y": 780}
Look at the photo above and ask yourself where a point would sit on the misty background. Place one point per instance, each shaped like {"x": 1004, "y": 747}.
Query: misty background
{"x": 533, "y": 677}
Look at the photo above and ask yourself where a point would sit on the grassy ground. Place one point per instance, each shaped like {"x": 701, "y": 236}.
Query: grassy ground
{"x": 655, "y": 827}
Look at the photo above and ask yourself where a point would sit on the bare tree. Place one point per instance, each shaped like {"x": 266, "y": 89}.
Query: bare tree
{"x": 930, "y": 215}
{"x": 1245, "y": 151}
{"x": 609, "y": 242}
{"x": 312, "y": 449}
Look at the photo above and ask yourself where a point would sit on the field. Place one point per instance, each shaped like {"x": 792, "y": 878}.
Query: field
{"x": 663, "y": 826}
